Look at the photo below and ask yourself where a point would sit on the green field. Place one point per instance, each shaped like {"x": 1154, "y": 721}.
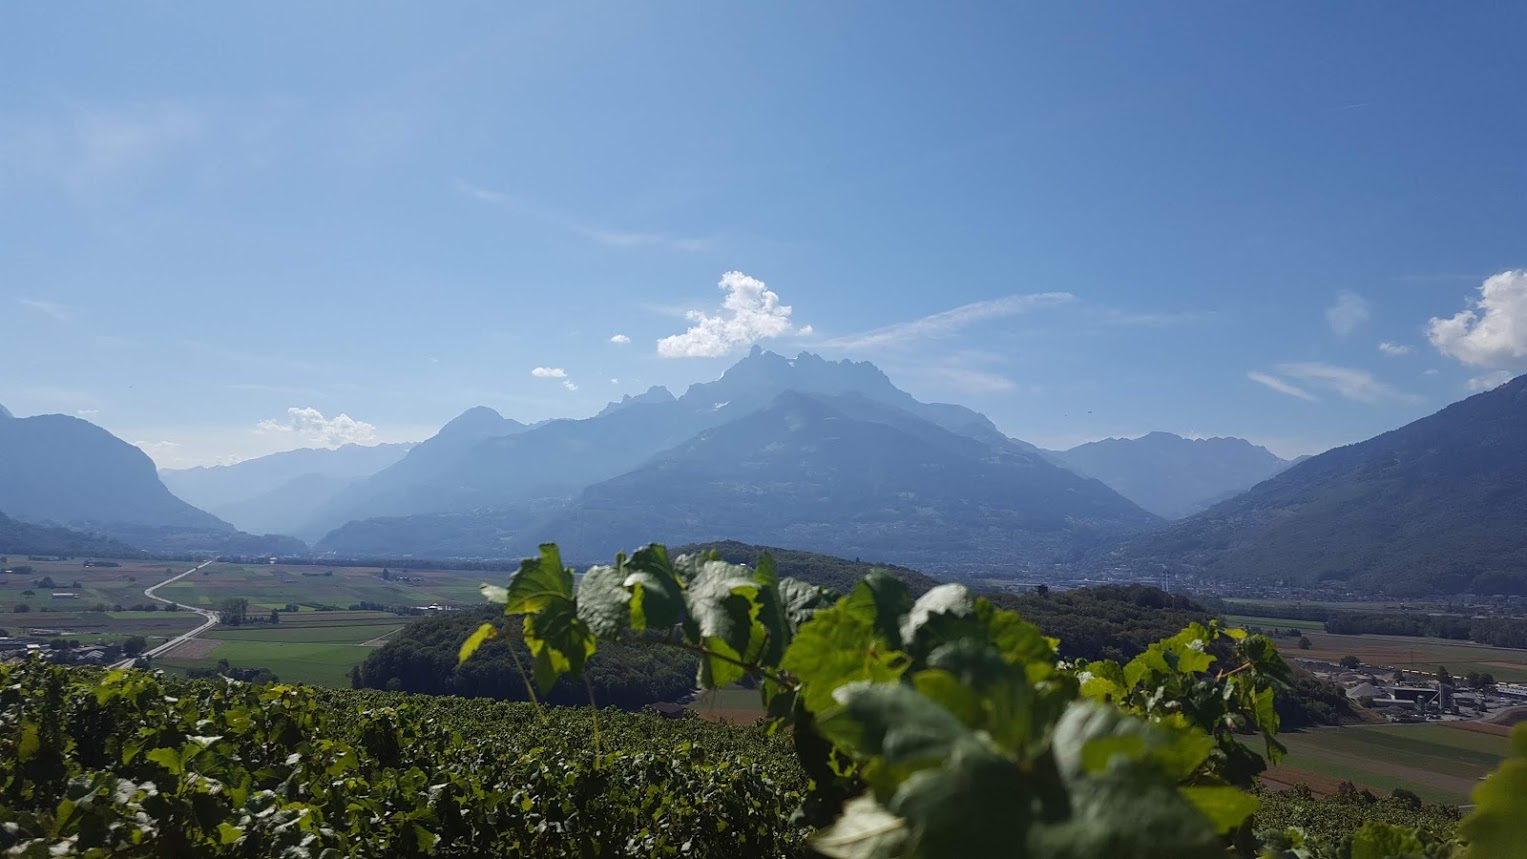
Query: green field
{"x": 1278, "y": 622}
{"x": 277, "y": 585}
{"x": 320, "y": 664}
{"x": 1439, "y": 763}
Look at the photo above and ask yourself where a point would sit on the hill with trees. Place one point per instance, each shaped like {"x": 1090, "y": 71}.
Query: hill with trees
{"x": 27, "y": 539}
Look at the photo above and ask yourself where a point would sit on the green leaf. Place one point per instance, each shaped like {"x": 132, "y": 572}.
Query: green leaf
{"x": 1498, "y": 824}
{"x": 865, "y": 830}
{"x": 880, "y": 600}
{"x": 721, "y": 600}
{"x": 1019, "y": 641}
{"x": 228, "y": 834}
{"x": 424, "y": 838}
{"x": 495, "y": 593}
{"x": 657, "y": 600}
{"x": 31, "y": 742}
{"x": 474, "y": 641}
{"x": 540, "y": 582}
{"x": 956, "y": 697}
{"x": 559, "y": 641}
{"x": 802, "y": 600}
{"x": 1226, "y": 807}
{"x": 895, "y": 722}
{"x": 1092, "y": 739}
{"x": 837, "y": 647}
{"x": 167, "y": 758}
{"x": 1378, "y": 840}
{"x": 946, "y": 599}
{"x": 603, "y": 601}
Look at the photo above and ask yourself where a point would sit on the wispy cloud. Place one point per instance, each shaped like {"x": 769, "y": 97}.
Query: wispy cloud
{"x": 603, "y": 234}
{"x": 61, "y": 312}
{"x": 1356, "y": 385}
{"x": 569, "y": 384}
{"x": 549, "y": 373}
{"x": 1281, "y": 386}
{"x": 1394, "y": 350}
{"x": 749, "y": 313}
{"x": 1490, "y": 381}
{"x": 92, "y": 146}
{"x": 1349, "y": 311}
{"x": 974, "y": 381}
{"x": 948, "y": 322}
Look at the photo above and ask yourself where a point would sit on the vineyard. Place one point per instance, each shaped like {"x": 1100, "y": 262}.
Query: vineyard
{"x": 933, "y": 727}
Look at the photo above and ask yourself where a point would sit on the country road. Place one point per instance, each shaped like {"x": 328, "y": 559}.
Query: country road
{"x": 209, "y": 618}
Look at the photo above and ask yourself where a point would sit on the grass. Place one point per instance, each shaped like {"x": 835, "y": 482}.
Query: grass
{"x": 1437, "y": 762}
{"x": 316, "y": 663}
{"x": 1304, "y": 626}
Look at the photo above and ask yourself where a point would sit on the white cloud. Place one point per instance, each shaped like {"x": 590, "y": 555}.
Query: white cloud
{"x": 1394, "y": 350}
{"x": 1490, "y": 381}
{"x": 948, "y": 322}
{"x": 163, "y": 453}
{"x": 1430, "y": 371}
{"x": 311, "y": 426}
{"x": 806, "y": 331}
{"x": 1349, "y": 311}
{"x": 1281, "y": 386}
{"x": 569, "y": 384}
{"x": 1349, "y": 382}
{"x": 48, "y": 308}
{"x": 614, "y": 381}
{"x": 749, "y": 313}
{"x": 549, "y": 373}
{"x": 1492, "y": 331}
{"x": 620, "y": 339}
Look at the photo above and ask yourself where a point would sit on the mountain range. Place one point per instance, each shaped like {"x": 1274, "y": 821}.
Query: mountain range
{"x": 1436, "y": 506}
{"x": 830, "y": 456}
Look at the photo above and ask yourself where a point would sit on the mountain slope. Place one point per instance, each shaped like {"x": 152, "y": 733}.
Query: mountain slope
{"x": 1436, "y": 506}
{"x": 407, "y": 485}
{"x": 288, "y": 508}
{"x": 28, "y": 539}
{"x": 211, "y": 487}
{"x": 55, "y": 468}
{"x": 1173, "y": 476}
{"x": 5, "y": 413}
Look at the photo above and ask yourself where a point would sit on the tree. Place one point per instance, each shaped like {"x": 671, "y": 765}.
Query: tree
{"x": 275, "y": 616}
{"x": 1350, "y": 662}
{"x": 1484, "y": 681}
{"x": 134, "y": 645}
{"x": 1042, "y": 590}
{"x": 22, "y": 608}
{"x": 233, "y": 611}
{"x": 1399, "y": 676}
{"x": 1304, "y": 643}
{"x": 1443, "y": 676}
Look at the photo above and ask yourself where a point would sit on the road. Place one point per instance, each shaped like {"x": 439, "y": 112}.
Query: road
{"x": 209, "y": 618}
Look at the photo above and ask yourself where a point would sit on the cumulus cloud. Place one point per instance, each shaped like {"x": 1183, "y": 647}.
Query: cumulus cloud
{"x": 569, "y": 384}
{"x": 549, "y": 373}
{"x": 947, "y": 322}
{"x": 749, "y": 313}
{"x": 806, "y": 331}
{"x": 1394, "y": 350}
{"x": 1281, "y": 386}
{"x": 312, "y": 427}
{"x": 1492, "y": 330}
{"x": 1349, "y": 311}
{"x": 1490, "y": 381}
{"x": 620, "y": 339}
{"x": 1349, "y": 382}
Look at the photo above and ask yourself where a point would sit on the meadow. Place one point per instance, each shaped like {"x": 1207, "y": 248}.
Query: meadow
{"x": 1438, "y": 762}
{"x": 316, "y": 647}
{"x": 1406, "y": 652}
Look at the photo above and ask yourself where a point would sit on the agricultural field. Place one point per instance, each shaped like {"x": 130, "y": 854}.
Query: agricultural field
{"x": 311, "y": 586}
{"x": 311, "y": 647}
{"x": 98, "y": 586}
{"x": 1440, "y": 762}
{"x": 1406, "y": 652}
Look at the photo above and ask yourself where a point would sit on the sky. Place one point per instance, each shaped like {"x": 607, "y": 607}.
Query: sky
{"x": 230, "y": 229}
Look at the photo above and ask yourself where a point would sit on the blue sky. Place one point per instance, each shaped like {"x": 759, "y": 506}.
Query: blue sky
{"x": 1082, "y": 219}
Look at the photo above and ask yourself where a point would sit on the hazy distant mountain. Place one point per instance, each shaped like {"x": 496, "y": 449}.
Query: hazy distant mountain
{"x": 287, "y": 509}
{"x": 1436, "y": 506}
{"x": 24, "y": 538}
{"x": 55, "y": 468}
{"x": 846, "y": 475}
{"x": 654, "y": 394}
{"x": 407, "y": 485}
{"x": 212, "y": 487}
{"x": 61, "y": 470}
{"x": 5, "y": 413}
{"x": 558, "y": 459}
{"x": 1172, "y": 476}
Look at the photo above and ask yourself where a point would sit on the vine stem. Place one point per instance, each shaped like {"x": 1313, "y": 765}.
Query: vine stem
{"x": 595, "y": 708}
{"x": 530, "y": 688}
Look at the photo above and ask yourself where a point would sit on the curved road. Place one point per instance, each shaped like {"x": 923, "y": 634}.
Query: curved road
{"x": 209, "y": 618}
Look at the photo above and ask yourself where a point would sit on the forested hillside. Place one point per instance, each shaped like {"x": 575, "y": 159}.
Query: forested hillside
{"x": 28, "y": 539}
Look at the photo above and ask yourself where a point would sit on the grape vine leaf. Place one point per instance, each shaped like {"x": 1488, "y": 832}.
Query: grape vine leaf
{"x": 540, "y": 582}
{"x": 603, "y": 601}
{"x": 836, "y": 647}
{"x": 865, "y": 830}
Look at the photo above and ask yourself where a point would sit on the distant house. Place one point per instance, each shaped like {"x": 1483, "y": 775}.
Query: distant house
{"x": 65, "y": 596}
